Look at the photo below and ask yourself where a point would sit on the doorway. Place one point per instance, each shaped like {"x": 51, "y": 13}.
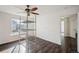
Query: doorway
{"x": 69, "y": 33}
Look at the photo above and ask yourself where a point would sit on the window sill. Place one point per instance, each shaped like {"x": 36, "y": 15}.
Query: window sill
{"x": 16, "y": 33}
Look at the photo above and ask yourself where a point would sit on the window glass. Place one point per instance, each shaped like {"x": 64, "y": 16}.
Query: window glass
{"x": 16, "y": 26}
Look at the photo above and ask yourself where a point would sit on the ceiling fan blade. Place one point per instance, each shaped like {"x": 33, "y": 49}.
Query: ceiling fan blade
{"x": 34, "y": 13}
{"x": 34, "y": 9}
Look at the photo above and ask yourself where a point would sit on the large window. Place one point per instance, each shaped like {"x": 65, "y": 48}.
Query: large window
{"x": 17, "y": 25}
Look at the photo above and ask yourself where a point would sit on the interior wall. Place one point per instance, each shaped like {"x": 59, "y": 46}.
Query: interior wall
{"x": 48, "y": 28}
{"x": 66, "y": 26}
{"x": 71, "y": 25}
{"x": 5, "y": 28}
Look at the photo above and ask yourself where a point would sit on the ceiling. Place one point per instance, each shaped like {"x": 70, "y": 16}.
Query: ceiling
{"x": 42, "y": 9}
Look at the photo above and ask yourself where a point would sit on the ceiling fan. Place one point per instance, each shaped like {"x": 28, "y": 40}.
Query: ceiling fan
{"x": 27, "y": 10}
{"x": 31, "y": 11}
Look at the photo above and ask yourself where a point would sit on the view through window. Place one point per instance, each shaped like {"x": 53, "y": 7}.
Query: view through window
{"x": 17, "y": 25}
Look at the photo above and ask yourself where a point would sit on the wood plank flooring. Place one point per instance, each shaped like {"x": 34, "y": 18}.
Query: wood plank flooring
{"x": 34, "y": 45}
{"x": 70, "y": 45}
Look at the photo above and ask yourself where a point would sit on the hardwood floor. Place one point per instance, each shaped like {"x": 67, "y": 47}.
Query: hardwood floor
{"x": 34, "y": 45}
{"x": 70, "y": 45}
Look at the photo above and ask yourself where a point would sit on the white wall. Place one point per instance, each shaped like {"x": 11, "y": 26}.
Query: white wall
{"x": 5, "y": 28}
{"x": 71, "y": 25}
{"x": 66, "y": 26}
{"x": 48, "y": 27}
